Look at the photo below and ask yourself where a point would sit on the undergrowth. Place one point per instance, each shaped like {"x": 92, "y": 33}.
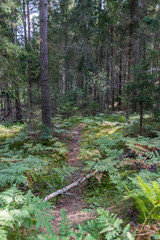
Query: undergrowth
{"x": 121, "y": 156}
{"x": 128, "y": 165}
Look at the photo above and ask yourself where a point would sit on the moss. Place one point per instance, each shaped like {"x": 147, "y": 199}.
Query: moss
{"x": 101, "y": 194}
{"x": 127, "y": 173}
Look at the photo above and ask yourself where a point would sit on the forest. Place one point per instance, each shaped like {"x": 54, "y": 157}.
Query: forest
{"x": 79, "y": 119}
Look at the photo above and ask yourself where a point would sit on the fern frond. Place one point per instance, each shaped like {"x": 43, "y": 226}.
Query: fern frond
{"x": 11, "y": 195}
{"x": 64, "y": 227}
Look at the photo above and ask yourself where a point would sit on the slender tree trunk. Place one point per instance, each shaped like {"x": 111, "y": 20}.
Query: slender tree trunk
{"x": 112, "y": 70}
{"x": 107, "y": 69}
{"x": 1, "y": 114}
{"x": 142, "y": 90}
{"x": 45, "y": 88}
{"x": 30, "y": 110}
{"x": 141, "y": 118}
{"x": 18, "y": 105}
{"x": 29, "y": 22}
{"x": 136, "y": 48}
{"x": 25, "y": 38}
{"x": 17, "y": 91}
{"x": 132, "y": 2}
{"x": 7, "y": 104}
{"x": 66, "y": 65}
{"x": 24, "y": 23}
{"x": 120, "y": 81}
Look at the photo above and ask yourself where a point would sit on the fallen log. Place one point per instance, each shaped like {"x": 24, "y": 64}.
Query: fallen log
{"x": 72, "y": 185}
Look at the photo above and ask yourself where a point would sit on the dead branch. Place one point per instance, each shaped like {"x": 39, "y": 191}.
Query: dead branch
{"x": 65, "y": 189}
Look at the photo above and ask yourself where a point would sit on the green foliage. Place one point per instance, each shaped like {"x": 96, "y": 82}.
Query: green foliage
{"x": 67, "y": 109}
{"x": 91, "y": 108}
{"x": 14, "y": 170}
{"x": 120, "y": 159}
{"x": 18, "y": 165}
{"x": 67, "y": 105}
{"x": 105, "y": 226}
{"x": 8, "y": 131}
{"x": 46, "y": 133}
{"x": 58, "y": 129}
{"x": 37, "y": 148}
{"x": 103, "y": 141}
{"x": 111, "y": 226}
{"x": 142, "y": 85}
{"x": 131, "y": 128}
{"x": 64, "y": 227}
{"x": 156, "y": 115}
{"x": 147, "y": 200}
{"x": 19, "y": 212}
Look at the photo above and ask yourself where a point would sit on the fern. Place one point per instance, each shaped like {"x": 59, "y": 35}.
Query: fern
{"x": 11, "y": 195}
{"x": 64, "y": 227}
{"x": 46, "y": 237}
{"x": 15, "y": 171}
{"x": 111, "y": 226}
{"x": 116, "y": 139}
{"x": 37, "y": 148}
{"x": 19, "y": 210}
{"x": 46, "y": 133}
{"x": 89, "y": 230}
{"x": 147, "y": 200}
{"x": 105, "y": 226}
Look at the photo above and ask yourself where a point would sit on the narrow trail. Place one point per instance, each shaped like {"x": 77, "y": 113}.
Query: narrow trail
{"x": 73, "y": 204}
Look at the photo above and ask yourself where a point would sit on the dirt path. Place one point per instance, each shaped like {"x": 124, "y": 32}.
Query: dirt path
{"x": 73, "y": 204}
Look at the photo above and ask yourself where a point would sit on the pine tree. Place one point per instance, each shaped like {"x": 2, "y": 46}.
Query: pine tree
{"x": 45, "y": 88}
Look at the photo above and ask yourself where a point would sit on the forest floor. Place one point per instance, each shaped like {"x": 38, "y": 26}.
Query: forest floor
{"x": 108, "y": 144}
{"x": 73, "y": 203}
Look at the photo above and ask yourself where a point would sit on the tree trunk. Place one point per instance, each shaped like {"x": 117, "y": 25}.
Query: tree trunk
{"x": 142, "y": 93}
{"x": 141, "y": 118}
{"x": 30, "y": 111}
{"x": 18, "y": 105}
{"x": 29, "y": 22}
{"x": 66, "y": 65}
{"x": 24, "y": 23}
{"x": 136, "y": 48}
{"x": 120, "y": 81}
{"x": 112, "y": 71}
{"x": 132, "y": 3}
{"x": 16, "y": 85}
{"x": 8, "y": 108}
{"x": 45, "y": 88}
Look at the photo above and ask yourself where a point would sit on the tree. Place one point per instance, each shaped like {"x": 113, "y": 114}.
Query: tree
{"x": 144, "y": 87}
{"x": 45, "y": 88}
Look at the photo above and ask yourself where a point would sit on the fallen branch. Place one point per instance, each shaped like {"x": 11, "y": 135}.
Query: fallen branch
{"x": 65, "y": 189}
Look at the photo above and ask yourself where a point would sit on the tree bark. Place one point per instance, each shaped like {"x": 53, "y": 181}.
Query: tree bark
{"x": 18, "y": 105}
{"x": 130, "y": 46}
{"x": 120, "y": 81}
{"x": 24, "y": 23}
{"x": 16, "y": 85}
{"x": 45, "y": 88}
{"x": 30, "y": 111}
{"x": 141, "y": 118}
{"x": 112, "y": 69}
{"x": 136, "y": 48}
{"x": 29, "y": 22}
